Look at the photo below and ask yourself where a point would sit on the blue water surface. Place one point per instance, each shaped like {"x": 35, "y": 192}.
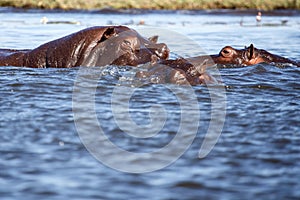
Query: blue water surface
{"x": 256, "y": 157}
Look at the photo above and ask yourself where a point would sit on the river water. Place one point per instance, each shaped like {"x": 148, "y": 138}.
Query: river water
{"x": 49, "y": 141}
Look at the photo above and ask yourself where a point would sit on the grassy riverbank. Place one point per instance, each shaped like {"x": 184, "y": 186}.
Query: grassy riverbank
{"x": 154, "y": 4}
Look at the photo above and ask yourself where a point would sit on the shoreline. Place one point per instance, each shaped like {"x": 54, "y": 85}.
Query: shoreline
{"x": 236, "y": 12}
{"x": 67, "y": 5}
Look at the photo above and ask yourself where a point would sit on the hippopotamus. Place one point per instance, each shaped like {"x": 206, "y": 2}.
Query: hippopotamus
{"x": 243, "y": 57}
{"x": 95, "y": 46}
{"x": 178, "y": 71}
{"x": 192, "y": 70}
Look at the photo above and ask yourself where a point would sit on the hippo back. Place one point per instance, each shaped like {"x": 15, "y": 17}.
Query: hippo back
{"x": 69, "y": 51}
{"x": 12, "y": 57}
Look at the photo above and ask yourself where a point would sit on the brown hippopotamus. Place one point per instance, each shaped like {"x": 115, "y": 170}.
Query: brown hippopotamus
{"x": 179, "y": 71}
{"x": 243, "y": 57}
{"x": 95, "y": 46}
{"x": 193, "y": 70}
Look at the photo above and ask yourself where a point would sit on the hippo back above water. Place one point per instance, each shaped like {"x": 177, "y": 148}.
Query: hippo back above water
{"x": 95, "y": 46}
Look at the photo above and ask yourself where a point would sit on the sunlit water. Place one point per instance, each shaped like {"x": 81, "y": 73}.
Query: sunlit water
{"x": 257, "y": 155}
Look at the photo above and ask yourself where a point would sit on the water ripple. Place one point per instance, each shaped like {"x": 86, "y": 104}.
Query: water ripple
{"x": 256, "y": 157}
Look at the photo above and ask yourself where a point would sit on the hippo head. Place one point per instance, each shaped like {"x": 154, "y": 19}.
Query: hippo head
{"x": 247, "y": 56}
{"x": 179, "y": 71}
{"x": 119, "y": 45}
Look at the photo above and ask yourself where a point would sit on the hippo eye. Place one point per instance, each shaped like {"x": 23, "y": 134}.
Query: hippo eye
{"x": 126, "y": 42}
{"x": 226, "y": 51}
{"x": 126, "y": 46}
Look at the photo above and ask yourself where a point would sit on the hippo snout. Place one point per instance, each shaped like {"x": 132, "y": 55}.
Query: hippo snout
{"x": 163, "y": 51}
{"x": 160, "y": 50}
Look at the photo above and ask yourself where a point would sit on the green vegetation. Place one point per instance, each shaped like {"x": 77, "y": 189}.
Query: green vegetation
{"x": 154, "y": 4}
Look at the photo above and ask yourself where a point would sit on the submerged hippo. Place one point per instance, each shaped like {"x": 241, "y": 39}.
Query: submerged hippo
{"x": 179, "y": 71}
{"x": 243, "y": 57}
{"x": 95, "y": 46}
{"x": 193, "y": 70}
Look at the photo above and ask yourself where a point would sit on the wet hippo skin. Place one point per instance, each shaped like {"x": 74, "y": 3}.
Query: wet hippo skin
{"x": 243, "y": 57}
{"x": 95, "y": 46}
{"x": 193, "y": 70}
{"x": 179, "y": 71}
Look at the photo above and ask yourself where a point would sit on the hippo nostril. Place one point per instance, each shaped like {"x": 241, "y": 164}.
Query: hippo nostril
{"x": 137, "y": 50}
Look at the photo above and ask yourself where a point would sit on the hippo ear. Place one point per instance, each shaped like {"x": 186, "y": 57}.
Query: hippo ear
{"x": 109, "y": 32}
{"x": 250, "y": 52}
{"x": 153, "y": 39}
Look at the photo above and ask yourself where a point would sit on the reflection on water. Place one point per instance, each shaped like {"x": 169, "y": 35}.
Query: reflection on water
{"x": 256, "y": 157}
